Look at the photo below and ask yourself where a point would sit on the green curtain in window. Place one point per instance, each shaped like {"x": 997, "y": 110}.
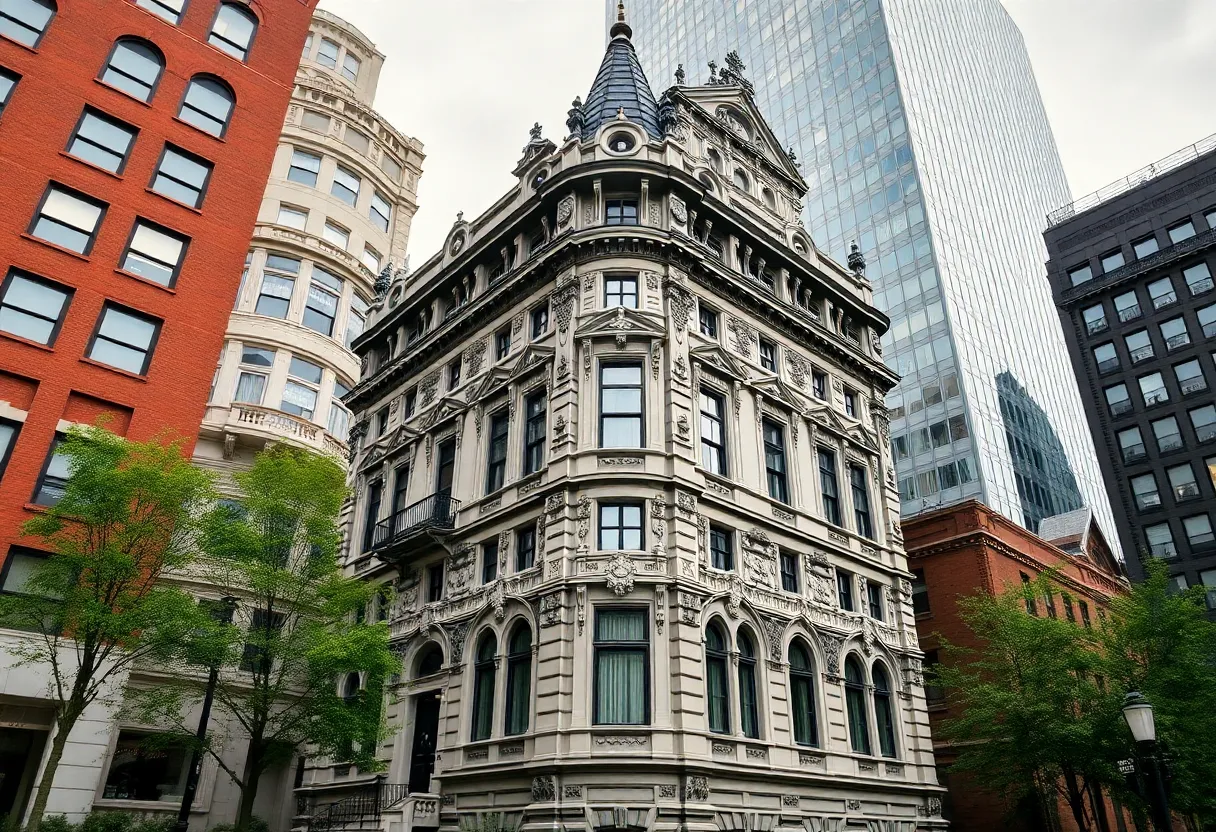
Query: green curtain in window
{"x": 483, "y": 702}
{"x": 747, "y": 700}
{"x": 804, "y": 710}
{"x": 519, "y": 683}
{"x": 621, "y": 687}
{"x": 859, "y": 735}
{"x": 719, "y": 712}
{"x": 620, "y": 625}
{"x": 886, "y": 723}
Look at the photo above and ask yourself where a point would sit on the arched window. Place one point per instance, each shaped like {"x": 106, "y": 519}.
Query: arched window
{"x": 134, "y": 67}
{"x": 770, "y": 199}
{"x": 430, "y": 661}
{"x": 884, "y": 715}
{"x": 483, "y": 687}
{"x": 855, "y": 704}
{"x": 706, "y": 180}
{"x": 519, "y": 679}
{"x": 169, "y": 10}
{"x": 748, "y": 716}
{"x": 802, "y": 687}
{"x": 25, "y": 21}
{"x": 350, "y": 688}
{"x": 741, "y": 181}
{"x": 208, "y": 105}
{"x": 233, "y": 30}
{"x": 717, "y": 688}
{"x": 715, "y": 160}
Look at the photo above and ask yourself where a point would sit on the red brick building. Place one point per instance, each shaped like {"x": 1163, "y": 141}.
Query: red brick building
{"x": 969, "y": 548}
{"x": 136, "y": 137}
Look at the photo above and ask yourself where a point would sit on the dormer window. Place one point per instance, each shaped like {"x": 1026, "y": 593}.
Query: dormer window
{"x": 622, "y": 142}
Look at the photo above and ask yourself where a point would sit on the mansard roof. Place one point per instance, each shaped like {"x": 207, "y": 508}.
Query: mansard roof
{"x": 621, "y": 85}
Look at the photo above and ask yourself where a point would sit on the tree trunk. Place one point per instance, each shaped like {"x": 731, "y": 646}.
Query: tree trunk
{"x": 48, "y": 776}
{"x": 249, "y": 789}
{"x": 1076, "y": 800}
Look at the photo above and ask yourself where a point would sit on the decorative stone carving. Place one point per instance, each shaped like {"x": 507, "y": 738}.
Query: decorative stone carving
{"x": 686, "y": 504}
{"x": 679, "y": 212}
{"x": 658, "y": 523}
{"x": 559, "y": 430}
{"x": 587, "y": 359}
{"x": 696, "y": 787}
{"x": 790, "y": 800}
{"x": 667, "y": 792}
{"x": 682, "y": 428}
{"x": 656, "y": 359}
{"x": 774, "y": 631}
{"x": 831, "y": 653}
{"x": 457, "y": 633}
{"x": 783, "y": 515}
{"x": 517, "y": 324}
{"x": 563, "y": 305}
{"x": 572, "y": 792}
{"x": 428, "y": 388}
{"x": 660, "y": 607}
{"x": 565, "y": 211}
{"x": 551, "y": 609}
{"x": 584, "y": 519}
{"x": 580, "y": 601}
{"x": 474, "y": 357}
{"x": 620, "y": 575}
{"x": 679, "y": 370}
{"x": 679, "y": 306}
{"x": 931, "y": 809}
{"x": 544, "y": 790}
{"x": 622, "y": 460}
{"x": 853, "y": 805}
{"x": 652, "y": 280}
{"x": 743, "y": 335}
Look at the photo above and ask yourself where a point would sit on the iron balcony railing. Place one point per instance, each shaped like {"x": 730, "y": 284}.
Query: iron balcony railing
{"x": 1177, "y": 341}
{"x": 1134, "y": 452}
{"x": 437, "y": 511}
{"x": 1200, "y": 286}
{"x": 1097, "y": 326}
{"x": 1162, "y": 301}
{"x": 367, "y": 804}
{"x": 1193, "y": 385}
{"x": 1120, "y": 408}
{"x": 1130, "y": 313}
{"x": 1170, "y": 442}
{"x": 1142, "y": 354}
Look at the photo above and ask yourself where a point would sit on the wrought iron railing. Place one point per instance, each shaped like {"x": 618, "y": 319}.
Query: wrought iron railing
{"x": 437, "y": 511}
{"x": 367, "y": 804}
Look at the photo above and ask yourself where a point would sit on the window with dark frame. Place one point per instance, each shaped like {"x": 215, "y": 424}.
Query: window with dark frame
{"x": 125, "y": 339}
{"x": 621, "y": 647}
{"x": 829, "y": 486}
{"x": 621, "y": 414}
{"x": 208, "y": 105}
{"x": 708, "y": 321}
{"x": 134, "y": 67}
{"x": 844, "y": 590}
{"x": 935, "y": 694}
{"x": 768, "y": 355}
{"x": 788, "y": 562}
{"x": 26, "y": 22}
{"x": 154, "y": 253}
{"x": 850, "y": 402}
{"x": 920, "y": 593}
{"x": 620, "y": 526}
{"x": 502, "y": 343}
{"x": 525, "y": 548}
{"x": 802, "y": 685}
{"x": 721, "y": 548}
{"x": 535, "y": 413}
{"x": 749, "y": 715}
{"x": 53, "y": 481}
{"x": 233, "y": 30}
{"x": 8, "y": 438}
{"x": 371, "y": 515}
{"x": 1028, "y": 593}
{"x": 620, "y": 291}
{"x": 434, "y": 583}
{"x": 874, "y": 600}
{"x": 32, "y": 308}
{"x": 540, "y": 321}
{"x": 621, "y": 212}
{"x": 496, "y": 464}
{"x": 264, "y": 629}
{"x": 861, "y": 501}
{"x": 713, "y": 432}
{"x": 182, "y": 176}
{"x": 717, "y": 693}
{"x": 819, "y": 385}
{"x": 68, "y": 219}
{"x": 8, "y": 83}
{"x": 489, "y": 561}
{"x": 454, "y": 373}
{"x": 102, "y": 140}
{"x": 774, "y": 461}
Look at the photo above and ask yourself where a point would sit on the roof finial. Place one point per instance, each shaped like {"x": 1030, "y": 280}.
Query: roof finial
{"x": 620, "y": 27}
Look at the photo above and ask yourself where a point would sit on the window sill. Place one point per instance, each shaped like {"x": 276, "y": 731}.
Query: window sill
{"x": 121, "y": 372}
{"x": 128, "y": 95}
{"x": 201, "y": 132}
{"x": 173, "y": 201}
{"x": 83, "y": 257}
{"x": 31, "y": 49}
{"x": 93, "y": 166}
{"x": 20, "y": 340}
{"x": 169, "y": 289}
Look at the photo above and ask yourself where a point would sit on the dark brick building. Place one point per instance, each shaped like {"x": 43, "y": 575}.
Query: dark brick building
{"x": 1132, "y": 270}
{"x": 969, "y": 549}
{"x": 136, "y": 137}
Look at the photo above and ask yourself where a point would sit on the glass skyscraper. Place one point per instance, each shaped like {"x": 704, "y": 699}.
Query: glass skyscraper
{"x": 921, "y": 133}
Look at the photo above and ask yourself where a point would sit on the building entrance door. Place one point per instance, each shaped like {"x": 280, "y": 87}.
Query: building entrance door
{"x": 426, "y": 730}
{"x": 20, "y": 753}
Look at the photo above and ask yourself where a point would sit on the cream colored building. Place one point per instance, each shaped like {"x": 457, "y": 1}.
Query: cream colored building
{"x": 623, "y": 454}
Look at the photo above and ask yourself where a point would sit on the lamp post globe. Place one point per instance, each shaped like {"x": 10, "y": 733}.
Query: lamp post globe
{"x": 1139, "y": 715}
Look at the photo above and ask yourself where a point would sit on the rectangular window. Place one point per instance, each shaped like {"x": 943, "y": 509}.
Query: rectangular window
{"x": 621, "y": 527}
{"x": 525, "y": 549}
{"x": 336, "y": 234}
{"x": 411, "y": 402}
{"x": 788, "y": 562}
{"x": 1198, "y": 279}
{"x": 1198, "y": 530}
{"x": 146, "y": 767}
{"x": 819, "y": 384}
{"x": 1203, "y": 419}
{"x": 381, "y": 211}
{"x": 829, "y": 486}
{"x": 1128, "y": 306}
{"x": 1084, "y": 614}
{"x": 1160, "y": 541}
{"x": 621, "y": 212}
{"x": 8, "y": 82}
{"x": 1152, "y": 388}
{"x": 32, "y": 308}
{"x": 304, "y": 168}
{"x": 345, "y": 186}
{"x": 1118, "y": 399}
{"x": 708, "y": 321}
{"x": 540, "y": 321}
{"x": 350, "y": 67}
{"x": 298, "y": 400}
{"x": 155, "y": 253}
{"x": 1183, "y": 483}
{"x": 1028, "y": 595}
{"x": 1131, "y": 445}
{"x": 381, "y": 421}
{"x": 534, "y": 433}
{"x": 182, "y": 176}
{"x": 290, "y": 217}
{"x": 920, "y": 593}
{"x": 454, "y": 373}
{"x": 874, "y": 600}
{"x": 53, "y": 482}
{"x": 621, "y": 406}
{"x": 1190, "y": 377}
{"x": 1081, "y": 274}
{"x": 502, "y": 343}
{"x": 359, "y": 141}
{"x": 1139, "y": 347}
{"x": 1174, "y": 333}
{"x": 304, "y": 370}
{"x": 250, "y": 387}
{"x": 371, "y": 260}
{"x": 327, "y": 53}
{"x": 844, "y": 590}
{"x": 68, "y": 219}
{"x": 434, "y": 583}
{"x": 1145, "y": 246}
{"x": 774, "y": 461}
{"x": 8, "y": 438}
{"x": 861, "y": 501}
{"x": 102, "y": 141}
{"x": 1112, "y": 260}
{"x": 1144, "y": 487}
{"x": 278, "y": 283}
{"x": 1181, "y": 231}
{"x": 25, "y": 21}
{"x": 768, "y": 355}
{"x": 721, "y": 548}
{"x": 496, "y": 465}
{"x": 935, "y": 694}
{"x": 713, "y": 432}
{"x": 124, "y": 339}
{"x": 375, "y": 494}
{"x": 1069, "y": 613}
{"x": 621, "y": 291}
{"x": 1095, "y": 319}
{"x": 489, "y": 561}
{"x": 622, "y": 667}
{"x": 357, "y": 319}
{"x": 264, "y": 629}
{"x": 321, "y": 305}
{"x": 850, "y": 399}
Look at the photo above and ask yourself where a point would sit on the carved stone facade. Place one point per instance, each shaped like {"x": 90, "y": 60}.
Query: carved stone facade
{"x": 607, "y": 506}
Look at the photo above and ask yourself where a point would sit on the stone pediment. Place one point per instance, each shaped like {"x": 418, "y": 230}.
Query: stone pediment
{"x": 715, "y": 356}
{"x": 828, "y": 419}
{"x": 621, "y": 322}
{"x": 533, "y": 356}
{"x": 774, "y": 389}
{"x": 449, "y": 407}
{"x": 722, "y": 104}
{"x": 494, "y": 381}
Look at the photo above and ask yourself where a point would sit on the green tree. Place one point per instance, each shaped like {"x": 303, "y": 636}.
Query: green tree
{"x": 300, "y": 631}
{"x": 1033, "y": 719}
{"x": 1160, "y": 642}
{"x": 96, "y": 605}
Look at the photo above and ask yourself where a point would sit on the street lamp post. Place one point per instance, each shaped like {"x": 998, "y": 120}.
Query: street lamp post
{"x": 223, "y": 615}
{"x": 1139, "y": 715}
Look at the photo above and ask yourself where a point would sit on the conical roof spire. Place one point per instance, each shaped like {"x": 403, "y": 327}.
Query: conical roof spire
{"x": 621, "y": 86}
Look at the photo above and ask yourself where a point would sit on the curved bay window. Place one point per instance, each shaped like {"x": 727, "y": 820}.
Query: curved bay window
{"x": 483, "y": 687}
{"x": 884, "y": 714}
{"x": 749, "y": 716}
{"x": 802, "y": 687}
{"x": 519, "y": 679}
{"x": 717, "y": 688}
{"x": 622, "y": 667}
{"x": 855, "y": 704}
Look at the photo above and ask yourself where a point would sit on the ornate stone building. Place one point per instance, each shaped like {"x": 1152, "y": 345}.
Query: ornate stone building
{"x": 621, "y": 450}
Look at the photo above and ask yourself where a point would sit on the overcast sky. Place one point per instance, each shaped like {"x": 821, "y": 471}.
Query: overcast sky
{"x": 1125, "y": 83}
